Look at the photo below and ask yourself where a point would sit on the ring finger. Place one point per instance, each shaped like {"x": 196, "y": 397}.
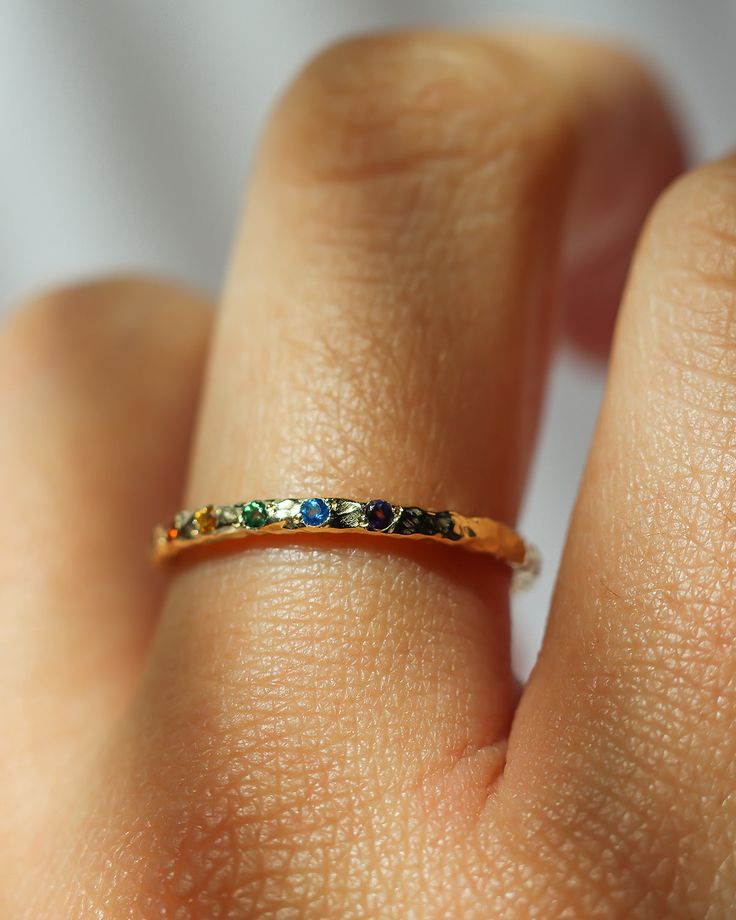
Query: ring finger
{"x": 384, "y": 333}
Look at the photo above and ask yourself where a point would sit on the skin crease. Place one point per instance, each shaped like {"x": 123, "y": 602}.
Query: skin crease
{"x": 319, "y": 728}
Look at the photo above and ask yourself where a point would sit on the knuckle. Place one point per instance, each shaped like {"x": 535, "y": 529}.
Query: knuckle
{"x": 691, "y": 243}
{"x": 392, "y": 105}
{"x": 77, "y": 298}
{"x": 687, "y": 318}
{"x": 105, "y": 317}
{"x": 39, "y": 322}
{"x": 38, "y": 330}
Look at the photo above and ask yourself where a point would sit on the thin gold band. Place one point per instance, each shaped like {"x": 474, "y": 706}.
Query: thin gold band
{"x": 341, "y": 515}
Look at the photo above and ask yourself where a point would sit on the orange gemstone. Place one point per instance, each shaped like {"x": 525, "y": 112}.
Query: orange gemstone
{"x": 172, "y": 533}
{"x": 206, "y": 519}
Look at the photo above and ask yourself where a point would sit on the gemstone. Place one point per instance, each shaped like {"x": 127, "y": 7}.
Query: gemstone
{"x": 172, "y": 533}
{"x": 227, "y": 515}
{"x": 379, "y": 513}
{"x": 254, "y": 514}
{"x": 206, "y": 519}
{"x": 182, "y": 521}
{"x": 315, "y": 512}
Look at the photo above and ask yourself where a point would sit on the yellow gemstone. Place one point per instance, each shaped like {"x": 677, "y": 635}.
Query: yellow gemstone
{"x": 206, "y": 519}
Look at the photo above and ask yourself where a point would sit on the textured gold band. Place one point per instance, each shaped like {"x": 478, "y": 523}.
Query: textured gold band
{"x": 341, "y": 515}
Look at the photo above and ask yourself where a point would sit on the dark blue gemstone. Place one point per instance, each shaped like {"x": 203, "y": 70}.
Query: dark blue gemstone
{"x": 314, "y": 511}
{"x": 380, "y": 514}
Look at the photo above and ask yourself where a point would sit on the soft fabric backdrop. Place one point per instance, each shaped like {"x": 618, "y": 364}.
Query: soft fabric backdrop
{"x": 128, "y": 130}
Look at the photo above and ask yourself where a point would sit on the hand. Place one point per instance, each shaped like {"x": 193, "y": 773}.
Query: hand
{"x": 322, "y": 727}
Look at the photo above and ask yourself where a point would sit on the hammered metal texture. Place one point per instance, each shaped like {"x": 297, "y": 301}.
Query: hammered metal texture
{"x": 284, "y": 515}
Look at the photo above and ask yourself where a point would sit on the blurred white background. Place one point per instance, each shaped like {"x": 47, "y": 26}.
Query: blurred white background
{"x": 128, "y": 128}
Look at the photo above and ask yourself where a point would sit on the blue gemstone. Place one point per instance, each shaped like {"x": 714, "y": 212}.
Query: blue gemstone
{"x": 314, "y": 512}
{"x": 379, "y": 513}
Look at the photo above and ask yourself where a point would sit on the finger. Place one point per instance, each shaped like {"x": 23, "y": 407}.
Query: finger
{"x": 631, "y": 159}
{"x": 626, "y": 731}
{"x": 97, "y": 389}
{"x": 384, "y": 332}
{"x": 613, "y": 197}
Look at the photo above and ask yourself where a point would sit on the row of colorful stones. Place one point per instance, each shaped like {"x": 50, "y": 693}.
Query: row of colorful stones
{"x": 314, "y": 512}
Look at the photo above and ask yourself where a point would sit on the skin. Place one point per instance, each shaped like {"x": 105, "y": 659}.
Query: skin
{"x": 329, "y": 727}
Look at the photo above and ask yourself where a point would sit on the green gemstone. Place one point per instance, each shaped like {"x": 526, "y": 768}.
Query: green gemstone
{"x": 254, "y": 514}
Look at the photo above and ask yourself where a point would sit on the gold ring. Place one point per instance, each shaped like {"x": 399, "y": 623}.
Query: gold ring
{"x": 343, "y": 515}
